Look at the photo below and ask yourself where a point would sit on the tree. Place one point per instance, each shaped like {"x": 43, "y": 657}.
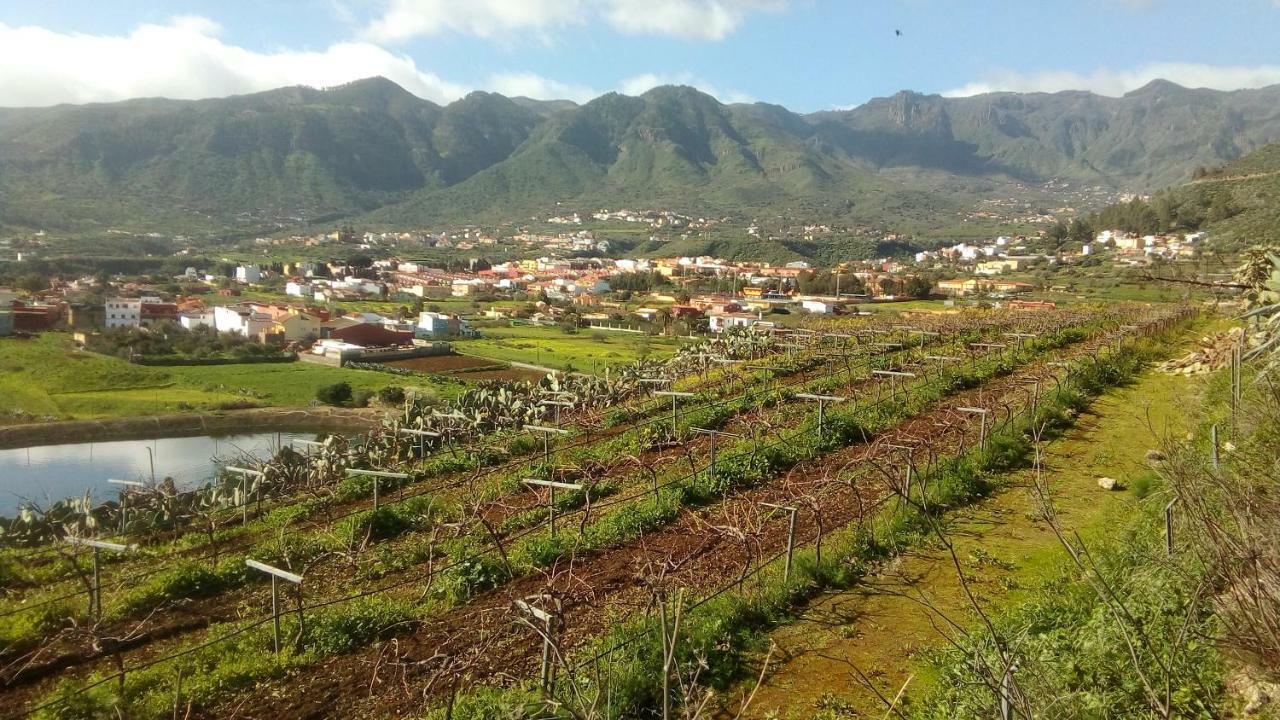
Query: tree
{"x": 919, "y": 287}
{"x": 32, "y": 283}
{"x": 1080, "y": 231}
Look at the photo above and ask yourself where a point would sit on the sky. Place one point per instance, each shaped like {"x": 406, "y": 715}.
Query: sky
{"x": 807, "y": 55}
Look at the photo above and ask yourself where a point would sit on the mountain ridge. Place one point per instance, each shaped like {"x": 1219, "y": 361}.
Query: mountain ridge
{"x": 374, "y": 151}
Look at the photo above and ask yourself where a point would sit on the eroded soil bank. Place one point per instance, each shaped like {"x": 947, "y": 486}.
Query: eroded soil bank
{"x": 256, "y": 420}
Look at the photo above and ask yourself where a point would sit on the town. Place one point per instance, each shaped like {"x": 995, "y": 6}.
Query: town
{"x": 305, "y": 306}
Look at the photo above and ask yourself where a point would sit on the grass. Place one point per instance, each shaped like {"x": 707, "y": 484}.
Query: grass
{"x": 552, "y": 347}
{"x": 1007, "y": 554}
{"x": 47, "y": 377}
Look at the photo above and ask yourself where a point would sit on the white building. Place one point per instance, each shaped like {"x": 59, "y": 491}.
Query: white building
{"x": 817, "y": 307}
{"x": 241, "y": 319}
{"x": 298, "y": 289}
{"x": 123, "y": 312}
{"x": 719, "y": 322}
{"x": 249, "y": 274}
{"x": 196, "y": 319}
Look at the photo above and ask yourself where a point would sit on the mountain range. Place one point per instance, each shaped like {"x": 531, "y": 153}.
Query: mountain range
{"x": 371, "y": 152}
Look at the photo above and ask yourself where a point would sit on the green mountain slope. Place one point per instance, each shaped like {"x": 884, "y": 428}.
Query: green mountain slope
{"x": 1249, "y": 191}
{"x": 279, "y": 156}
{"x": 372, "y": 151}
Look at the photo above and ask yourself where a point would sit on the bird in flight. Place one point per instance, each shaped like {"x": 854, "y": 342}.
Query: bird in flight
{"x": 897, "y": 33}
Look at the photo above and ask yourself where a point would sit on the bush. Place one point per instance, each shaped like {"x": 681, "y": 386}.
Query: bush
{"x": 360, "y": 398}
{"x": 363, "y": 621}
{"x": 335, "y": 394}
{"x": 391, "y": 395}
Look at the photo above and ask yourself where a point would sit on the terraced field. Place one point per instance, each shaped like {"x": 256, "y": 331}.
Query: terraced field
{"x": 720, "y": 484}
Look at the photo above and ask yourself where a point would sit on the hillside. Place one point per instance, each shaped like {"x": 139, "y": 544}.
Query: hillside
{"x": 372, "y": 151}
{"x": 1250, "y": 190}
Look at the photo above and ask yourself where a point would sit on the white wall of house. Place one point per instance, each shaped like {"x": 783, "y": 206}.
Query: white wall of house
{"x": 123, "y": 312}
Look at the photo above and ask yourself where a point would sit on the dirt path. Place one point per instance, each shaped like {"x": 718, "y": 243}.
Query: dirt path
{"x": 881, "y": 628}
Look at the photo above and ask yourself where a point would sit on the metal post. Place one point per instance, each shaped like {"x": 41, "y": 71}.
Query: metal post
{"x": 911, "y": 464}
{"x": 822, "y": 401}
{"x": 714, "y": 434}
{"x": 245, "y": 474}
{"x": 377, "y": 475}
{"x": 95, "y": 592}
{"x": 1213, "y": 437}
{"x": 982, "y": 436}
{"x": 674, "y": 398}
{"x": 546, "y": 439}
{"x": 275, "y": 615}
{"x": 96, "y": 598}
{"x": 1168, "y": 527}
{"x": 277, "y": 573}
{"x": 791, "y": 535}
{"x": 124, "y": 497}
{"x": 551, "y": 497}
{"x": 548, "y": 622}
{"x": 1006, "y": 693}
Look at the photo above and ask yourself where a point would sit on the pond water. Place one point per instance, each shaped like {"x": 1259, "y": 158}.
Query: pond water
{"x": 55, "y": 472}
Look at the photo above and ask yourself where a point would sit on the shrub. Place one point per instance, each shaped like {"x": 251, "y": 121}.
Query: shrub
{"x": 357, "y": 624}
{"x": 360, "y": 398}
{"x": 391, "y": 395}
{"x": 335, "y": 394}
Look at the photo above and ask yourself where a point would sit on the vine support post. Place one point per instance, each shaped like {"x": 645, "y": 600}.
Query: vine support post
{"x": 982, "y": 432}
{"x": 893, "y": 376}
{"x": 1168, "y": 527}
{"x": 911, "y": 466}
{"x": 95, "y": 589}
{"x": 1056, "y": 377}
{"x": 547, "y": 631}
{"x": 1213, "y": 447}
{"x": 675, "y": 410}
{"x": 711, "y": 468}
{"x": 276, "y": 575}
{"x": 822, "y": 401}
{"x": 124, "y": 499}
{"x": 1006, "y": 693}
{"x": 422, "y": 436}
{"x": 791, "y": 535}
{"x": 546, "y": 439}
{"x": 377, "y": 476}
{"x": 551, "y": 486}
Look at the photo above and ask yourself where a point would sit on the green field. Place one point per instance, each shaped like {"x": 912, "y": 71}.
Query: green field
{"x": 552, "y": 347}
{"x": 48, "y": 377}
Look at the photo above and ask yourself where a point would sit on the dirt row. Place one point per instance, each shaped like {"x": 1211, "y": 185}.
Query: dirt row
{"x": 330, "y": 576}
{"x": 483, "y": 642}
{"x": 192, "y": 616}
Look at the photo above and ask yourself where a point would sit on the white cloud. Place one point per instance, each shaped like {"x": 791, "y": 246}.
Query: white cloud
{"x": 532, "y": 85}
{"x": 690, "y": 19}
{"x": 404, "y": 19}
{"x": 1114, "y": 83}
{"x": 183, "y": 59}
{"x": 640, "y": 84}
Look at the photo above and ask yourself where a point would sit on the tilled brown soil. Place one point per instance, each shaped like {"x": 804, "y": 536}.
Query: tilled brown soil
{"x": 28, "y": 675}
{"x": 484, "y": 642}
{"x": 331, "y": 577}
{"x": 603, "y": 584}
